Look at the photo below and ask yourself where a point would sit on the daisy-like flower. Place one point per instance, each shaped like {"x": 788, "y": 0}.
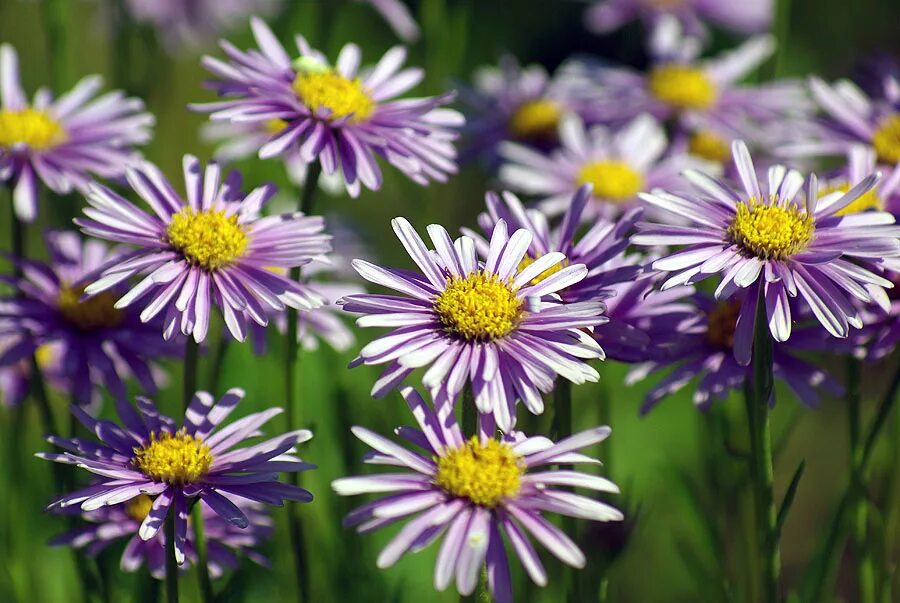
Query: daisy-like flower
{"x": 63, "y": 142}
{"x": 749, "y": 16}
{"x": 340, "y": 116}
{"x": 700, "y": 346}
{"x": 480, "y": 494}
{"x": 149, "y": 455}
{"x": 225, "y": 542}
{"x": 766, "y": 236}
{"x": 493, "y": 326}
{"x": 524, "y": 104}
{"x": 861, "y": 162}
{"x": 95, "y": 342}
{"x": 618, "y": 164}
{"x": 213, "y": 249}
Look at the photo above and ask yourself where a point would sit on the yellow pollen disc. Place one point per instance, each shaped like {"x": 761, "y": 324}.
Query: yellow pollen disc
{"x": 682, "y": 87}
{"x": 535, "y": 119}
{"x": 208, "y": 238}
{"x": 94, "y": 313}
{"x": 708, "y": 145}
{"x": 612, "y": 180}
{"x": 771, "y": 231}
{"x": 865, "y": 202}
{"x": 30, "y": 127}
{"x": 274, "y": 126}
{"x": 479, "y": 307}
{"x": 330, "y": 90}
{"x": 139, "y": 507}
{"x": 721, "y": 323}
{"x": 528, "y": 261}
{"x": 486, "y": 473}
{"x": 176, "y": 458}
{"x": 44, "y": 355}
{"x": 886, "y": 139}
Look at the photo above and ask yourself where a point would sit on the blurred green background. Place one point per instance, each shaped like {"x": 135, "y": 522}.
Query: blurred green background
{"x": 683, "y": 486}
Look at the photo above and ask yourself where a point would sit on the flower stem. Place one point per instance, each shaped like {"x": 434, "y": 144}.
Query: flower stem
{"x": 760, "y": 391}
{"x": 189, "y": 378}
{"x": 864, "y": 567}
{"x": 218, "y": 363}
{"x": 292, "y": 403}
{"x": 206, "y": 589}
{"x": 171, "y": 563}
{"x": 562, "y": 422}
{"x": 56, "y": 18}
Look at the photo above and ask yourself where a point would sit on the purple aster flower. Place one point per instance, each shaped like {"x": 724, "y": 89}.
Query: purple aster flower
{"x": 748, "y": 16}
{"x": 862, "y": 161}
{"x": 480, "y": 494}
{"x": 766, "y": 236}
{"x": 494, "y": 326}
{"x": 397, "y": 15}
{"x": 700, "y": 346}
{"x": 523, "y": 104}
{"x": 95, "y": 342}
{"x": 213, "y": 249}
{"x": 149, "y": 455}
{"x": 341, "y": 116}
{"x": 65, "y": 142}
{"x": 225, "y": 542}
{"x": 188, "y": 23}
{"x": 618, "y": 164}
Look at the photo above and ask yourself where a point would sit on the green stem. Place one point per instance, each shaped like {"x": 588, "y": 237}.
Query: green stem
{"x": 189, "y": 379}
{"x": 562, "y": 420}
{"x": 206, "y": 589}
{"x": 18, "y": 237}
{"x": 218, "y": 363}
{"x": 56, "y": 18}
{"x": 761, "y": 390}
{"x": 293, "y": 412}
{"x": 171, "y": 563}
{"x": 122, "y": 30}
{"x": 469, "y": 414}
{"x": 864, "y": 565}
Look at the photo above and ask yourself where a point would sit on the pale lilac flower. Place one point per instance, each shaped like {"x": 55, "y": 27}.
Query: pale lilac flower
{"x": 480, "y": 494}
{"x": 744, "y": 16}
{"x": 149, "y": 455}
{"x": 340, "y": 116}
{"x": 495, "y": 327}
{"x": 63, "y": 142}
{"x": 767, "y": 236}
{"x": 214, "y": 249}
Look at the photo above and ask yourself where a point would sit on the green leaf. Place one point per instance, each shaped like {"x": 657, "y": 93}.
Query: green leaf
{"x": 789, "y": 497}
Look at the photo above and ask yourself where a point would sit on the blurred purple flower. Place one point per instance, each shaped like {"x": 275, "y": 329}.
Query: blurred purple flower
{"x": 15, "y": 378}
{"x": 480, "y": 494}
{"x": 63, "y": 142}
{"x": 745, "y": 16}
{"x": 339, "y": 116}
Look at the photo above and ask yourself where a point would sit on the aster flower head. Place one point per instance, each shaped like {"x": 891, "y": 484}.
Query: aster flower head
{"x": 479, "y": 493}
{"x": 748, "y": 16}
{"x": 617, "y": 163}
{"x": 63, "y": 142}
{"x": 214, "y": 249}
{"x": 95, "y": 342}
{"x": 226, "y": 543}
{"x": 699, "y": 346}
{"x": 494, "y": 326}
{"x": 341, "y": 116}
{"x": 768, "y": 237}
{"x": 148, "y": 454}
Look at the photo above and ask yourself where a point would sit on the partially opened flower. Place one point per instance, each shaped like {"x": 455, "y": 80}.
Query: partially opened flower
{"x": 214, "y": 249}
{"x": 766, "y": 236}
{"x": 493, "y": 326}
{"x": 226, "y": 543}
{"x": 481, "y": 494}
{"x": 747, "y": 16}
{"x": 618, "y": 164}
{"x": 149, "y": 455}
{"x": 63, "y": 142}
{"x": 93, "y": 342}
{"x": 699, "y": 346}
{"x": 339, "y": 116}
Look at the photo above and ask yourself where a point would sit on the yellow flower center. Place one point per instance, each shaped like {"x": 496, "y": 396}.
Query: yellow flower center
{"x": 886, "y": 139}
{"x": 771, "y": 231}
{"x": 479, "y": 307}
{"x": 612, "y": 180}
{"x": 528, "y": 261}
{"x": 208, "y": 238}
{"x": 335, "y": 92}
{"x": 43, "y": 355}
{"x": 274, "y": 126}
{"x": 486, "y": 473}
{"x": 176, "y": 458}
{"x": 721, "y": 323}
{"x": 535, "y": 119}
{"x": 30, "y": 127}
{"x": 682, "y": 87}
{"x": 139, "y": 507}
{"x": 868, "y": 200}
{"x": 708, "y": 145}
{"x": 94, "y": 313}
